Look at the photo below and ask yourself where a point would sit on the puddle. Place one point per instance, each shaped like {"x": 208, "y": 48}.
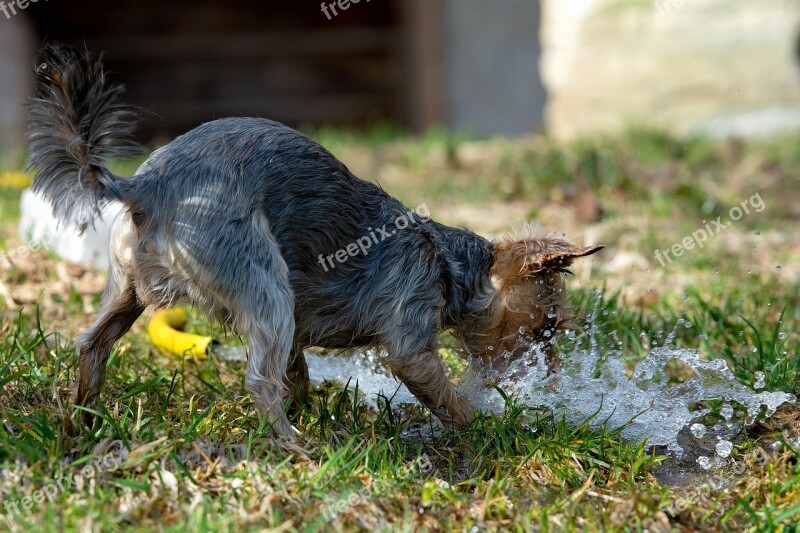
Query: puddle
{"x": 363, "y": 368}
{"x": 373, "y": 380}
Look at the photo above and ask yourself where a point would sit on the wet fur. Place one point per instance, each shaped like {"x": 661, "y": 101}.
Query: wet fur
{"x": 233, "y": 216}
{"x": 527, "y": 299}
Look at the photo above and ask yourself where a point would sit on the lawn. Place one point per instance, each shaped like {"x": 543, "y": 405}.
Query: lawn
{"x": 180, "y": 446}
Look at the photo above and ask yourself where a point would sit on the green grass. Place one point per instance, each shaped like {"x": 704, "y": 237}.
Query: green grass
{"x": 525, "y": 469}
{"x": 179, "y": 446}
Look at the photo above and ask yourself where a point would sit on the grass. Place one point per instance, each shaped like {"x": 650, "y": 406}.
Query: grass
{"x": 179, "y": 446}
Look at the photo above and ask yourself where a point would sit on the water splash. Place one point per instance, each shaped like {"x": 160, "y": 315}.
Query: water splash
{"x": 643, "y": 402}
{"x": 724, "y": 448}
{"x": 366, "y": 369}
{"x": 698, "y": 430}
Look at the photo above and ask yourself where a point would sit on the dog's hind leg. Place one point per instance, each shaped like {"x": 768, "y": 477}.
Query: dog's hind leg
{"x": 120, "y": 309}
{"x": 255, "y": 289}
{"x": 297, "y": 378}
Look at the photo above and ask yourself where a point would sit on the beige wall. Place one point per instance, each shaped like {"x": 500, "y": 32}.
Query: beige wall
{"x": 719, "y": 65}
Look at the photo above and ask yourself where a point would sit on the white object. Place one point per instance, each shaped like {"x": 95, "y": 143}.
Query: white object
{"x": 40, "y": 230}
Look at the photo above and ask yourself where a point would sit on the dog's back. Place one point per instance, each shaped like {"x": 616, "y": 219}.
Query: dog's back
{"x": 197, "y": 196}
{"x": 202, "y": 190}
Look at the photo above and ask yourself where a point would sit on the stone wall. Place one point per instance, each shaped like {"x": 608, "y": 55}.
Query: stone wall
{"x": 725, "y": 66}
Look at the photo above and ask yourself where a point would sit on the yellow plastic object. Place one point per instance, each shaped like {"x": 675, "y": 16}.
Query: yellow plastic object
{"x": 165, "y": 332}
{"x": 14, "y": 180}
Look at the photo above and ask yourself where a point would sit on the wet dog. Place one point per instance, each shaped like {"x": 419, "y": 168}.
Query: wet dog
{"x": 274, "y": 236}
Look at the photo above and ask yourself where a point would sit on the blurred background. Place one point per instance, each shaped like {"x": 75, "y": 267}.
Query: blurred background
{"x": 628, "y": 122}
{"x": 511, "y": 67}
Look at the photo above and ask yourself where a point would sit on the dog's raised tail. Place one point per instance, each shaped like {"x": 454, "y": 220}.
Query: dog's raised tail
{"x": 76, "y": 124}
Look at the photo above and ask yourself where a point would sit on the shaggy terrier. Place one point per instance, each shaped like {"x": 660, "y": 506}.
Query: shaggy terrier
{"x": 272, "y": 235}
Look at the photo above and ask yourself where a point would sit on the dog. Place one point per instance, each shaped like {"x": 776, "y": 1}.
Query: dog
{"x": 244, "y": 217}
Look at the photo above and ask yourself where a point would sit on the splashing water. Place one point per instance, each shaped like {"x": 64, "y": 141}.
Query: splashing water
{"x": 596, "y": 386}
{"x": 643, "y": 402}
{"x": 698, "y": 430}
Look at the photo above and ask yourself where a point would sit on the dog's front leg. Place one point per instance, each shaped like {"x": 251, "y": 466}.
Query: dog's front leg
{"x": 426, "y": 377}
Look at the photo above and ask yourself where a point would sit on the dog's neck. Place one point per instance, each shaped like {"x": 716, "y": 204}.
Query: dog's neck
{"x": 466, "y": 261}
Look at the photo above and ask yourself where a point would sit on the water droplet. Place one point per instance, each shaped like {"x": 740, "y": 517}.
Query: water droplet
{"x": 547, "y": 333}
{"x": 781, "y": 335}
{"x": 688, "y": 325}
{"x": 760, "y": 381}
{"x": 704, "y": 462}
{"x": 724, "y": 448}
{"x": 778, "y": 268}
{"x": 726, "y": 411}
{"x": 698, "y": 430}
{"x": 716, "y": 270}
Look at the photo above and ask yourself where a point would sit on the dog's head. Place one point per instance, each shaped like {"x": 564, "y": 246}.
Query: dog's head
{"x": 526, "y": 300}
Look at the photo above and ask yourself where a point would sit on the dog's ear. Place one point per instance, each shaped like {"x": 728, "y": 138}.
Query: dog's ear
{"x": 558, "y": 256}
{"x": 528, "y": 257}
